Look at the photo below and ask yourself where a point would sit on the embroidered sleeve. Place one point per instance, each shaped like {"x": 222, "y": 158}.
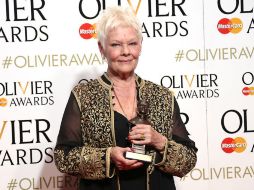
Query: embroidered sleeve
{"x": 95, "y": 163}
{"x": 177, "y": 159}
{"x": 179, "y": 155}
{"x": 71, "y": 155}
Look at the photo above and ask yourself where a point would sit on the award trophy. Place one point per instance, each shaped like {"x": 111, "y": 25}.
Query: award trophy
{"x": 139, "y": 151}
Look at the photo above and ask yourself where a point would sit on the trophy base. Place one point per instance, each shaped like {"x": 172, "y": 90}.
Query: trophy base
{"x": 137, "y": 156}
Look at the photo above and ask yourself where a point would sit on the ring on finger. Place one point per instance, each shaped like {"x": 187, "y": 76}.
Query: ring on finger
{"x": 142, "y": 136}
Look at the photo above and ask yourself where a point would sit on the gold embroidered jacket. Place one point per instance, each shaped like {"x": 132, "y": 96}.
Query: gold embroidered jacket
{"x": 87, "y": 131}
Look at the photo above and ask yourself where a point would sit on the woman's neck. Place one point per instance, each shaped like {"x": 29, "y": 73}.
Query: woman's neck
{"x": 124, "y": 95}
{"x": 122, "y": 81}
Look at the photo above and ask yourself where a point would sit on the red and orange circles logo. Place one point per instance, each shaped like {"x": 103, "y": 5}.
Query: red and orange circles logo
{"x": 233, "y": 25}
{"x": 248, "y": 91}
{"x": 87, "y": 31}
{"x": 3, "y": 102}
{"x": 230, "y": 145}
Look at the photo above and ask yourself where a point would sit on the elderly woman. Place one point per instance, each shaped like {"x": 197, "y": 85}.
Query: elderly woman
{"x": 92, "y": 139}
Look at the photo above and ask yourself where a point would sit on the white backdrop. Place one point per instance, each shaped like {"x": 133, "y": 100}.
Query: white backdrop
{"x": 202, "y": 50}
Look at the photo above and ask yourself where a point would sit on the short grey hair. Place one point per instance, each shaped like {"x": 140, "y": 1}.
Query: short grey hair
{"x": 114, "y": 17}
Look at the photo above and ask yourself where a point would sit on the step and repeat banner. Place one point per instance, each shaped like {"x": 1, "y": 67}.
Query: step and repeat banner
{"x": 202, "y": 50}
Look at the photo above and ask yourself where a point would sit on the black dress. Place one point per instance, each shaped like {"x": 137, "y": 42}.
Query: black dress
{"x": 129, "y": 179}
{"x": 136, "y": 178}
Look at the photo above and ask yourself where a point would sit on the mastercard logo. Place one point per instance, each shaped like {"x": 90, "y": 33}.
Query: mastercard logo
{"x": 233, "y": 25}
{"x": 230, "y": 145}
{"x": 87, "y": 31}
{"x": 248, "y": 91}
{"x": 3, "y": 102}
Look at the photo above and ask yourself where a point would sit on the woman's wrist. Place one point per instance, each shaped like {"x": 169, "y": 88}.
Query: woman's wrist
{"x": 161, "y": 145}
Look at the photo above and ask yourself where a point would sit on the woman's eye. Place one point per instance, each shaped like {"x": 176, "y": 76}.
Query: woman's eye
{"x": 115, "y": 45}
{"x": 133, "y": 43}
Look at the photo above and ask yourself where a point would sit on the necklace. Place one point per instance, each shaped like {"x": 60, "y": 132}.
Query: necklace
{"x": 133, "y": 107}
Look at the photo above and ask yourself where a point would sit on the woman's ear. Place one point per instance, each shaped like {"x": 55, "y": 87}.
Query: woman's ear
{"x": 141, "y": 41}
{"x": 101, "y": 48}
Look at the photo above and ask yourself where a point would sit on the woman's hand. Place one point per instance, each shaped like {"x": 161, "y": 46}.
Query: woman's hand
{"x": 145, "y": 134}
{"x": 117, "y": 157}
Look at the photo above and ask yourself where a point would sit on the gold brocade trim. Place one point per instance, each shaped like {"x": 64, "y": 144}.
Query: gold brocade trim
{"x": 147, "y": 179}
{"x": 149, "y": 171}
{"x": 173, "y": 105}
{"x": 103, "y": 83}
{"x": 140, "y": 83}
{"x": 118, "y": 182}
{"x": 81, "y": 162}
{"x": 164, "y": 154}
{"x": 108, "y": 164}
{"x": 111, "y": 107}
{"x": 150, "y": 168}
{"x": 112, "y": 119}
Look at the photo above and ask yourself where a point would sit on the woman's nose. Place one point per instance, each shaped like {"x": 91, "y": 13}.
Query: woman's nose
{"x": 125, "y": 50}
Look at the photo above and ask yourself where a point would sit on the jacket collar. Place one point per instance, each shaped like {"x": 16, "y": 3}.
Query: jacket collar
{"x": 108, "y": 83}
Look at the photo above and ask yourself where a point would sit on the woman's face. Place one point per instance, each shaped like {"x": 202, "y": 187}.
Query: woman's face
{"x": 122, "y": 49}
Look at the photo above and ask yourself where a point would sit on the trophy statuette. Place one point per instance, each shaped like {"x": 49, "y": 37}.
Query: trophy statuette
{"x": 139, "y": 151}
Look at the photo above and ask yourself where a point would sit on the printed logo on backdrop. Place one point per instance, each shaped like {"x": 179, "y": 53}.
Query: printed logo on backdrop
{"x": 21, "y": 144}
{"x": 88, "y": 31}
{"x": 228, "y": 24}
{"x": 230, "y": 145}
{"x": 66, "y": 182}
{"x": 248, "y": 81}
{"x": 235, "y": 122}
{"x": 192, "y": 86}
{"x": 52, "y": 60}
{"x": 20, "y": 21}
{"x": 214, "y": 54}
{"x": 24, "y": 138}
{"x": 234, "y": 25}
{"x": 28, "y": 93}
{"x": 162, "y": 16}
{"x": 26, "y": 21}
{"x": 226, "y": 172}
